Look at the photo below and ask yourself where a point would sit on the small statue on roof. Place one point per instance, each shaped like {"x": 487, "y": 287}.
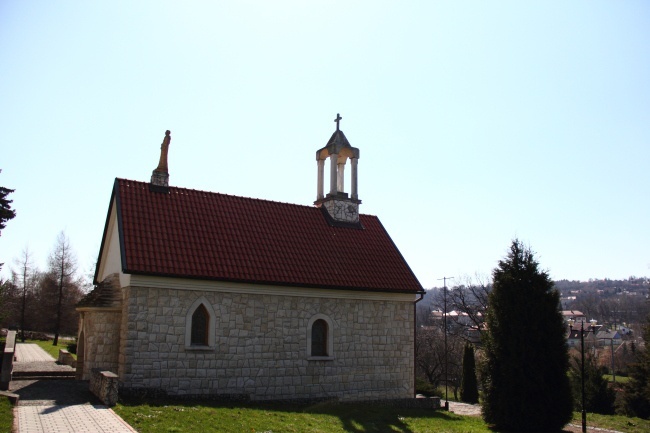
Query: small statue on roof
{"x": 164, "y": 148}
{"x": 160, "y": 176}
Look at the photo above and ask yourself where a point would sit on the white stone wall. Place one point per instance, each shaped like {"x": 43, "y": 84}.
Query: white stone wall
{"x": 126, "y": 348}
{"x": 101, "y": 330}
{"x": 261, "y": 346}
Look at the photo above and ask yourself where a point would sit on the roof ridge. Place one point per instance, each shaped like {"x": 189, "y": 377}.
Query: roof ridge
{"x": 144, "y": 184}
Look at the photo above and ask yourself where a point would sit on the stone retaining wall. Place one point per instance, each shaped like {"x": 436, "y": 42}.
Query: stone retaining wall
{"x": 104, "y": 385}
{"x": 7, "y": 360}
{"x": 260, "y": 346}
{"x": 66, "y": 358}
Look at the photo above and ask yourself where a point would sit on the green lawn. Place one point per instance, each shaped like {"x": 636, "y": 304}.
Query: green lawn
{"x": 6, "y": 415}
{"x": 614, "y": 422}
{"x": 619, "y": 379}
{"x": 277, "y": 418}
{"x": 208, "y": 417}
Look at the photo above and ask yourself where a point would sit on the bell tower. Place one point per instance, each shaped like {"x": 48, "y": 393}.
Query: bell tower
{"x": 340, "y": 208}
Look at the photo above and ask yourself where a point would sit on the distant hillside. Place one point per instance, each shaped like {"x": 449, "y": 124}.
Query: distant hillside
{"x": 605, "y": 287}
{"x": 610, "y": 302}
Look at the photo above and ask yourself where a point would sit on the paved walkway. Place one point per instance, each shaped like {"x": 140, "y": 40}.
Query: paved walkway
{"x": 31, "y": 352}
{"x": 31, "y": 358}
{"x": 463, "y": 408}
{"x": 475, "y": 410}
{"x": 58, "y": 406}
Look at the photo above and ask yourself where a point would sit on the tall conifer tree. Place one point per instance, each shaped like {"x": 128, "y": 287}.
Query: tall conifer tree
{"x": 469, "y": 386}
{"x": 6, "y": 212}
{"x": 525, "y": 373}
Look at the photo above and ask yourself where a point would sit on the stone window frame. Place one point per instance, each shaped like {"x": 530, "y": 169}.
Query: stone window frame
{"x": 212, "y": 317}
{"x": 330, "y": 338}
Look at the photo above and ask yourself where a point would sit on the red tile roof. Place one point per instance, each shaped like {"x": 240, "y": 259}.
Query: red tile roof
{"x": 196, "y": 234}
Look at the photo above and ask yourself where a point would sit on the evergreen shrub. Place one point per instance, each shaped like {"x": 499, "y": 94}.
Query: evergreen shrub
{"x": 525, "y": 382}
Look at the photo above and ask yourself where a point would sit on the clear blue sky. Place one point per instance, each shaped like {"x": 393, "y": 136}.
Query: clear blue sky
{"x": 477, "y": 121}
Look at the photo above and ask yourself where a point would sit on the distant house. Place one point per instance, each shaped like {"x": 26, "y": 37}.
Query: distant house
{"x": 203, "y": 293}
{"x": 592, "y": 336}
{"x": 460, "y": 319}
{"x": 573, "y": 315}
{"x": 608, "y": 337}
{"x": 454, "y": 316}
{"x": 573, "y": 338}
{"x": 624, "y": 330}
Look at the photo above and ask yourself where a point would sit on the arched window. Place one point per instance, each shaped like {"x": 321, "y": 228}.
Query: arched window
{"x": 200, "y": 323}
{"x": 319, "y": 338}
{"x": 200, "y": 326}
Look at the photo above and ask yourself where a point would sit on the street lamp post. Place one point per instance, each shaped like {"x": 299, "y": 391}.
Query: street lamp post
{"x": 444, "y": 321}
{"x": 592, "y": 327}
{"x": 611, "y": 345}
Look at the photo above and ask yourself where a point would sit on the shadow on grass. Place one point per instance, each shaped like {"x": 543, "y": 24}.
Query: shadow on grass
{"x": 362, "y": 418}
{"x": 352, "y": 418}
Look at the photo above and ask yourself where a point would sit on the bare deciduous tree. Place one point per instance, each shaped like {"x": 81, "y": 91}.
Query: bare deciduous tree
{"x": 466, "y": 305}
{"x": 63, "y": 265}
{"x": 431, "y": 357}
{"x": 26, "y": 278}
{"x": 470, "y": 301}
{"x": 430, "y": 354}
{"x": 587, "y": 304}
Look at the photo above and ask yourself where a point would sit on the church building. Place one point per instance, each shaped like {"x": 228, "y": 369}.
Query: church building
{"x": 204, "y": 293}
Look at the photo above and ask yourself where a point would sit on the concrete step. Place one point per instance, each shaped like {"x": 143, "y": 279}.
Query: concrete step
{"x": 42, "y": 375}
{"x": 43, "y": 378}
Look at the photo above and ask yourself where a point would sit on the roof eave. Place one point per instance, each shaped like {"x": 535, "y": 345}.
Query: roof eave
{"x": 277, "y": 283}
{"x": 108, "y": 218}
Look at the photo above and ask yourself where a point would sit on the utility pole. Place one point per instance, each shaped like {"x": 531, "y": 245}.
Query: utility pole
{"x": 444, "y": 321}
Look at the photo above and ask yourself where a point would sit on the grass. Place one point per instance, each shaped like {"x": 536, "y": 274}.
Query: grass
{"x": 619, "y": 379}
{"x": 206, "y": 417}
{"x": 276, "y": 418}
{"x": 440, "y": 391}
{"x": 614, "y": 422}
{"x": 6, "y": 415}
